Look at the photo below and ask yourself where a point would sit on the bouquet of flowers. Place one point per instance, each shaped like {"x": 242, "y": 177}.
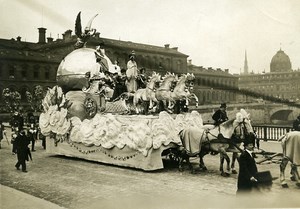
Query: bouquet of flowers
{"x": 54, "y": 120}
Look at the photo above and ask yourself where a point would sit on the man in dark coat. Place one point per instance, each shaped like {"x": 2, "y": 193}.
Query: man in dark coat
{"x": 22, "y": 143}
{"x": 32, "y": 134}
{"x": 247, "y": 169}
{"x": 220, "y": 115}
{"x": 17, "y": 124}
{"x": 296, "y": 124}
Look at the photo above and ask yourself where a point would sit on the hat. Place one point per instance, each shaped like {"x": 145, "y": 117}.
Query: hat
{"x": 247, "y": 141}
{"x": 132, "y": 54}
{"x": 223, "y": 105}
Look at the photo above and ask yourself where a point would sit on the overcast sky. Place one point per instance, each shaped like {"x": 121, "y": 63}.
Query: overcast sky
{"x": 214, "y": 33}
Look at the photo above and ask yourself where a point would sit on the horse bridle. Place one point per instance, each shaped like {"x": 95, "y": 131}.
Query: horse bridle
{"x": 243, "y": 130}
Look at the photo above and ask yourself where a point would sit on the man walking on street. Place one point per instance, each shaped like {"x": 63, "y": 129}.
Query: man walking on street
{"x": 22, "y": 143}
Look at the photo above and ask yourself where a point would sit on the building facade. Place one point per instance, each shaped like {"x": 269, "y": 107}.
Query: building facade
{"x": 281, "y": 83}
{"x": 214, "y": 86}
{"x": 24, "y": 65}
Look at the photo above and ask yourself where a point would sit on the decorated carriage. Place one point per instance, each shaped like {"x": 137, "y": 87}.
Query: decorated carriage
{"x": 81, "y": 119}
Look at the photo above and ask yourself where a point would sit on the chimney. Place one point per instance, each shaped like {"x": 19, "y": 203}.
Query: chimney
{"x": 190, "y": 62}
{"x": 175, "y": 48}
{"x": 19, "y": 38}
{"x": 226, "y": 70}
{"x": 167, "y": 46}
{"x": 97, "y": 35}
{"x": 42, "y": 35}
{"x": 49, "y": 40}
{"x": 67, "y": 35}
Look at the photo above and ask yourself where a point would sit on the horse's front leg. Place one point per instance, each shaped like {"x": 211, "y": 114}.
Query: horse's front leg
{"x": 283, "y": 164}
{"x": 150, "y": 103}
{"x": 196, "y": 99}
{"x": 235, "y": 156}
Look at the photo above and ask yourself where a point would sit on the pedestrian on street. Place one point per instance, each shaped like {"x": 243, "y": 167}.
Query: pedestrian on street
{"x": 32, "y": 135}
{"x": 17, "y": 123}
{"x": 2, "y": 132}
{"x": 247, "y": 169}
{"x": 296, "y": 124}
{"x": 42, "y": 138}
{"x": 257, "y": 140}
{"x": 22, "y": 143}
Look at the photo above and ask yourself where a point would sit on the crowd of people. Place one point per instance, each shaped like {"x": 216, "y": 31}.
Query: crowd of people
{"x": 23, "y": 134}
{"x": 115, "y": 80}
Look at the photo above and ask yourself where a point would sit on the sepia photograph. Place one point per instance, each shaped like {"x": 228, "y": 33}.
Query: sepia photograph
{"x": 149, "y": 104}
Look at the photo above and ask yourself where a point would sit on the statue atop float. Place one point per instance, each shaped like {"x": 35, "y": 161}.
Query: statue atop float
{"x": 83, "y": 36}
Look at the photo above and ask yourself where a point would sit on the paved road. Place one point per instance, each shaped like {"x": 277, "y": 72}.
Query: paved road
{"x": 74, "y": 183}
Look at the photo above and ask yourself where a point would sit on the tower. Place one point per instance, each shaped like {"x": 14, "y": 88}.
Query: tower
{"x": 246, "y": 64}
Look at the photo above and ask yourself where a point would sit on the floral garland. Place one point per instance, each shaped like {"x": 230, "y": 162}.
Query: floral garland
{"x": 54, "y": 121}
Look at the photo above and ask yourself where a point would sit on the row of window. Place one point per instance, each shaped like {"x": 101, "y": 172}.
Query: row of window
{"x": 216, "y": 82}
{"x": 21, "y": 72}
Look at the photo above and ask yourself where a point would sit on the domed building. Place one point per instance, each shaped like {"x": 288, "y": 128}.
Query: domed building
{"x": 281, "y": 83}
{"x": 280, "y": 63}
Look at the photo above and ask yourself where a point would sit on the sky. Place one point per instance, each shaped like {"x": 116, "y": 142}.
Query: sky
{"x": 213, "y": 33}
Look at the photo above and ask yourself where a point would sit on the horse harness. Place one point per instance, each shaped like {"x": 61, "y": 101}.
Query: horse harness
{"x": 223, "y": 140}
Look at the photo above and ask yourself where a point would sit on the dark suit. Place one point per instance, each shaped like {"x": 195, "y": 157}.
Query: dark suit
{"x": 296, "y": 124}
{"x": 22, "y": 143}
{"x": 219, "y": 117}
{"x": 247, "y": 170}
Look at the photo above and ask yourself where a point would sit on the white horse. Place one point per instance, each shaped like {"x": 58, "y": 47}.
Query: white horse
{"x": 291, "y": 153}
{"x": 183, "y": 88}
{"x": 201, "y": 141}
{"x": 147, "y": 94}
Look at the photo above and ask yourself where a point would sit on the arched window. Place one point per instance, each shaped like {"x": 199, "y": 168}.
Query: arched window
{"x": 36, "y": 72}
{"x": 24, "y": 71}
{"x": 11, "y": 72}
{"x": 47, "y": 72}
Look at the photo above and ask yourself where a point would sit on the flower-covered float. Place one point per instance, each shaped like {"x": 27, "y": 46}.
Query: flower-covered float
{"x": 80, "y": 120}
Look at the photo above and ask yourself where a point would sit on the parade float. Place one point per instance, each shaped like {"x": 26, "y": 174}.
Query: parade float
{"x": 81, "y": 120}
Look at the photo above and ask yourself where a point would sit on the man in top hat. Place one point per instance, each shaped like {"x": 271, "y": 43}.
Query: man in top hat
{"x": 22, "y": 143}
{"x": 296, "y": 124}
{"x": 132, "y": 73}
{"x": 247, "y": 169}
{"x": 220, "y": 115}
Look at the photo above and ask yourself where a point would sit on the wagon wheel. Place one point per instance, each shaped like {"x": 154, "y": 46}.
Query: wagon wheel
{"x": 90, "y": 107}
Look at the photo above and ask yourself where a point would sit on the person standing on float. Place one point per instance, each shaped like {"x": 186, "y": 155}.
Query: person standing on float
{"x": 132, "y": 73}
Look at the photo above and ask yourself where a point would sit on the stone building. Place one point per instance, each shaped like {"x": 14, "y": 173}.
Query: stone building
{"x": 214, "y": 86}
{"x": 24, "y": 65}
{"x": 281, "y": 83}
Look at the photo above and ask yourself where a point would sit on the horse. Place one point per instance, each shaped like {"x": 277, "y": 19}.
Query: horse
{"x": 291, "y": 147}
{"x": 201, "y": 141}
{"x": 147, "y": 94}
{"x": 183, "y": 87}
{"x": 163, "y": 93}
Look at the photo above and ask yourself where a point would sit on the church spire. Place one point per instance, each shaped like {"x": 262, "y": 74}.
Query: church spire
{"x": 246, "y": 64}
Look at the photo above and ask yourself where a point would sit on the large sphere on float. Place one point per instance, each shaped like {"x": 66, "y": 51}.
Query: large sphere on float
{"x": 72, "y": 69}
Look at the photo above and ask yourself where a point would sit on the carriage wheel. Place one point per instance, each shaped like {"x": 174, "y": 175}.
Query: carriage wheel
{"x": 90, "y": 107}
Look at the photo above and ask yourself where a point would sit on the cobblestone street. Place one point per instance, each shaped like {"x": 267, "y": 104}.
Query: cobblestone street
{"x": 76, "y": 183}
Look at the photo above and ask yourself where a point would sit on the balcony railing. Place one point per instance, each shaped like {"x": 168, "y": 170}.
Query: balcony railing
{"x": 271, "y": 132}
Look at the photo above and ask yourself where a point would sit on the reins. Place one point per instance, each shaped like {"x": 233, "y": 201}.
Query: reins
{"x": 227, "y": 140}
